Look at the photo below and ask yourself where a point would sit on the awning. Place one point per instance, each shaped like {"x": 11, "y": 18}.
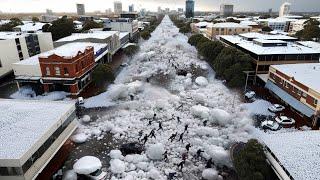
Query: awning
{"x": 294, "y": 103}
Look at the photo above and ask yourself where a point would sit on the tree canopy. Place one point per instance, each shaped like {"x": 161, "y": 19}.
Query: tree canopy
{"x": 102, "y": 73}
{"x": 310, "y": 32}
{"x": 131, "y": 50}
{"x": 35, "y": 19}
{"x": 91, "y": 25}
{"x": 61, "y": 28}
{"x": 10, "y": 25}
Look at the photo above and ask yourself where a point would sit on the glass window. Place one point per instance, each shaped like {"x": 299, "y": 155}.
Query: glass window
{"x": 47, "y": 71}
{"x": 304, "y": 94}
{"x": 66, "y": 71}
{"x": 315, "y": 101}
{"x": 57, "y": 71}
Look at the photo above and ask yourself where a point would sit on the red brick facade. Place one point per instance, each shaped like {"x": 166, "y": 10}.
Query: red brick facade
{"x": 67, "y": 73}
{"x": 294, "y": 88}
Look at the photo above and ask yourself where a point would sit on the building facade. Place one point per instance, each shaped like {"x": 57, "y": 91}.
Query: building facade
{"x": 214, "y": 30}
{"x": 80, "y": 10}
{"x": 226, "y": 10}
{"x": 67, "y": 74}
{"x": 297, "y": 85}
{"x": 189, "y": 9}
{"x": 117, "y": 7}
{"x": 124, "y": 25}
{"x": 15, "y": 47}
{"x": 131, "y": 8}
{"x": 49, "y": 124}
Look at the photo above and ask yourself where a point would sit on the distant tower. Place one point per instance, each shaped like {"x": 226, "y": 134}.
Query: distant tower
{"x": 226, "y": 10}
{"x": 159, "y": 10}
{"x": 80, "y": 9}
{"x": 284, "y": 9}
{"x": 49, "y": 12}
{"x": 189, "y": 8}
{"x": 117, "y": 7}
{"x": 131, "y": 8}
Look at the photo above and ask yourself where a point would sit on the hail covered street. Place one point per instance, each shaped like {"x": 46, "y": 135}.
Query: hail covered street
{"x": 164, "y": 83}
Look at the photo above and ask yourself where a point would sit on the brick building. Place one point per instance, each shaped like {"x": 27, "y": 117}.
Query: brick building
{"x": 67, "y": 68}
{"x": 298, "y": 86}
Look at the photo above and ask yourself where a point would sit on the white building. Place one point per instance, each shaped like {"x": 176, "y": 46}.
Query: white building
{"x": 124, "y": 25}
{"x": 284, "y": 9}
{"x": 118, "y": 7}
{"x": 16, "y": 46}
{"x": 296, "y": 26}
{"x": 80, "y": 10}
{"x": 31, "y": 27}
{"x": 31, "y": 133}
{"x": 226, "y": 10}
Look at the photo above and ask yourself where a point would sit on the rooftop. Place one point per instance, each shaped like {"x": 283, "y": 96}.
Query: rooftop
{"x": 24, "y": 122}
{"x": 255, "y": 35}
{"x": 228, "y": 25}
{"x": 31, "y": 27}
{"x": 311, "y": 44}
{"x": 67, "y": 50}
{"x": 307, "y": 74}
{"x": 94, "y": 35}
{"x": 297, "y": 151}
{"x": 12, "y": 35}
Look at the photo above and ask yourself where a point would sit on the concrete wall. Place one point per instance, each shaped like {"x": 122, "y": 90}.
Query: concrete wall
{"x": 45, "y": 41}
{"x": 32, "y": 70}
{"x": 8, "y": 55}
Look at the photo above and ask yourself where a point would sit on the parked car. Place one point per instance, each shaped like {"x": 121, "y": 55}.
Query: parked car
{"x": 276, "y": 108}
{"x": 272, "y": 125}
{"x": 80, "y": 100}
{"x": 90, "y": 167}
{"x": 284, "y": 120}
{"x": 249, "y": 95}
{"x": 124, "y": 65}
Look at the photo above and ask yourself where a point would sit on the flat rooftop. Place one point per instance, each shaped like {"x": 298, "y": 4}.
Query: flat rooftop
{"x": 228, "y": 25}
{"x": 254, "y": 35}
{"x": 31, "y": 26}
{"x": 93, "y": 35}
{"x": 311, "y": 44}
{"x": 24, "y": 122}
{"x": 67, "y": 50}
{"x": 12, "y": 35}
{"x": 297, "y": 151}
{"x": 307, "y": 74}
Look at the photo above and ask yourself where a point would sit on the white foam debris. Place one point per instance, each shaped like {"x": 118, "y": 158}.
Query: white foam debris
{"x": 210, "y": 174}
{"x": 202, "y": 81}
{"x": 155, "y": 151}
{"x": 86, "y": 119}
{"x": 79, "y": 138}
{"x": 115, "y": 154}
{"x": 87, "y": 165}
{"x": 117, "y": 166}
{"x": 200, "y": 111}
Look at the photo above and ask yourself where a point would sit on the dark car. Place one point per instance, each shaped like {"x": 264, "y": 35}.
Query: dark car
{"x": 131, "y": 148}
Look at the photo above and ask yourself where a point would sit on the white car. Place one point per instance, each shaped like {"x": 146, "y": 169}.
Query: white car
{"x": 250, "y": 94}
{"x": 98, "y": 175}
{"x": 284, "y": 120}
{"x": 272, "y": 125}
{"x": 276, "y": 108}
{"x": 80, "y": 100}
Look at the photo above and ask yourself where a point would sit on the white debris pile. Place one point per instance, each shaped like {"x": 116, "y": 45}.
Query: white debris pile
{"x": 29, "y": 94}
{"x": 196, "y": 109}
{"x": 210, "y": 174}
{"x": 155, "y": 151}
{"x": 70, "y": 175}
{"x": 79, "y": 138}
{"x": 87, "y": 165}
{"x": 86, "y": 119}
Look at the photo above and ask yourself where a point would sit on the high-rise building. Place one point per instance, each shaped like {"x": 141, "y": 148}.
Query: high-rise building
{"x": 159, "y": 10}
{"x": 49, "y": 12}
{"x": 284, "y": 9}
{"x": 80, "y": 9}
{"x": 189, "y": 8}
{"x": 131, "y": 8}
{"x": 180, "y": 10}
{"x": 226, "y": 10}
{"x": 117, "y": 7}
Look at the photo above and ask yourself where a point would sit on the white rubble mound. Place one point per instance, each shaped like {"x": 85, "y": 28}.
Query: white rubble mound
{"x": 202, "y": 81}
{"x": 200, "y": 111}
{"x": 87, "y": 165}
{"x": 155, "y": 151}
{"x": 154, "y": 174}
{"x": 70, "y": 175}
{"x": 79, "y": 138}
{"x": 117, "y": 166}
{"x": 210, "y": 174}
{"x": 115, "y": 154}
{"x": 86, "y": 119}
{"x": 220, "y": 116}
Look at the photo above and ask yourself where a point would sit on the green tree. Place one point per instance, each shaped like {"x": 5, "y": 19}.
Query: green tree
{"x": 9, "y": 26}
{"x": 102, "y": 73}
{"x": 250, "y": 162}
{"x": 61, "y": 28}
{"x": 201, "y": 41}
{"x": 35, "y": 19}
{"x": 45, "y": 28}
{"x": 266, "y": 29}
{"x": 193, "y": 40}
{"x": 310, "y": 32}
{"x": 91, "y": 25}
{"x": 131, "y": 50}
{"x": 210, "y": 50}
{"x": 145, "y": 34}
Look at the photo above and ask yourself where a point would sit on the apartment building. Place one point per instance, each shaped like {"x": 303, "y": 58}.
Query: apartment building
{"x": 297, "y": 85}
{"x": 200, "y": 27}
{"x": 31, "y": 133}
{"x": 226, "y": 10}
{"x": 67, "y": 68}
{"x": 267, "y": 50}
{"x": 111, "y": 38}
{"x": 17, "y": 46}
{"x": 296, "y": 26}
{"x": 228, "y": 28}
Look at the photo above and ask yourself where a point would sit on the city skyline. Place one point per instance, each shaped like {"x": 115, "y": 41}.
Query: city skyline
{"x": 16, "y": 6}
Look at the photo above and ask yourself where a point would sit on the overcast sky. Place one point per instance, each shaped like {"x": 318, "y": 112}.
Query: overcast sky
{"x": 200, "y": 5}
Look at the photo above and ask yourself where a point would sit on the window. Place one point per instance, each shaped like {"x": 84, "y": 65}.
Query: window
{"x": 82, "y": 64}
{"x": 243, "y": 30}
{"x": 57, "y": 71}
{"x": 299, "y": 92}
{"x": 287, "y": 84}
{"x": 47, "y": 71}
{"x": 304, "y": 94}
{"x": 66, "y": 71}
{"x": 315, "y": 101}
